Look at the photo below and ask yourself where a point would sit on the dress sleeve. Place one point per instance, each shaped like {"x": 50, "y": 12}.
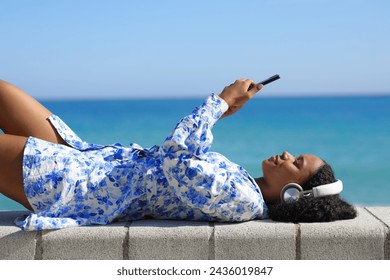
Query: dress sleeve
{"x": 192, "y": 135}
{"x": 204, "y": 180}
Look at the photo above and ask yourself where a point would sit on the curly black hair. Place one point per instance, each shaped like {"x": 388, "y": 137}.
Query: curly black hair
{"x": 309, "y": 209}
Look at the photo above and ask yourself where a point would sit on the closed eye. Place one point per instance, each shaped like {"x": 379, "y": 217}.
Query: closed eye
{"x": 298, "y": 161}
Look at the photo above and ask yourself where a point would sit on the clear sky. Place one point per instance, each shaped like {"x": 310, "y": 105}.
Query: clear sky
{"x": 137, "y": 49}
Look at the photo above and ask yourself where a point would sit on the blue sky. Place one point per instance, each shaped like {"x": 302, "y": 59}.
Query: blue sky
{"x": 140, "y": 49}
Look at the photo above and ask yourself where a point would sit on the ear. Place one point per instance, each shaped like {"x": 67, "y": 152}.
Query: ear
{"x": 290, "y": 193}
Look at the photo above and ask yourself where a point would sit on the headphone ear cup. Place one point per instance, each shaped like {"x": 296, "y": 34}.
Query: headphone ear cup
{"x": 290, "y": 193}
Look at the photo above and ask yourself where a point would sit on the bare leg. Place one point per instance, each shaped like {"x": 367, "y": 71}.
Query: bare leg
{"x": 22, "y": 115}
{"x": 11, "y": 176}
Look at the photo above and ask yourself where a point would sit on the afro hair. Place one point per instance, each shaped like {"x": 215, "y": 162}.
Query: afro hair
{"x": 309, "y": 209}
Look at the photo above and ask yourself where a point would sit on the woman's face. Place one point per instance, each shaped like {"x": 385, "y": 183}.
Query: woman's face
{"x": 280, "y": 170}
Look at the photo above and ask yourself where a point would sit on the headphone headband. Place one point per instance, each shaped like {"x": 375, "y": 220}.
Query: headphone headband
{"x": 292, "y": 191}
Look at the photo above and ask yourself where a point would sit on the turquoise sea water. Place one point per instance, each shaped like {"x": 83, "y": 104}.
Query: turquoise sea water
{"x": 350, "y": 133}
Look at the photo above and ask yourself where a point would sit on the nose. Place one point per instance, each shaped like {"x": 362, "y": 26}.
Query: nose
{"x": 286, "y": 155}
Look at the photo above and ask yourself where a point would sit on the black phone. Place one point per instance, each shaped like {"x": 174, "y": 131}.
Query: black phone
{"x": 267, "y": 81}
{"x": 270, "y": 80}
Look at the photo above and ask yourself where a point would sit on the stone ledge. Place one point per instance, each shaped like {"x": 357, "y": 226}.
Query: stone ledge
{"x": 366, "y": 237}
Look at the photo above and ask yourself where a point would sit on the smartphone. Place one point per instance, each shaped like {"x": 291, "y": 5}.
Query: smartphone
{"x": 267, "y": 81}
{"x": 270, "y": 80}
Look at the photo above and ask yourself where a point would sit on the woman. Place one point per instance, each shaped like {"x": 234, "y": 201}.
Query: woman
{"x": 67, "y": 182}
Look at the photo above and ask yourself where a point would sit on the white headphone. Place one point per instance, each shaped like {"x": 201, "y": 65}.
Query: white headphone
{"x": 292, "y": 191}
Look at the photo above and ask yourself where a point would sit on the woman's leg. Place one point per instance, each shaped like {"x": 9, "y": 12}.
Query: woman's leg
{"x": 22, "y": 115}
{"x": 11, "y": 176}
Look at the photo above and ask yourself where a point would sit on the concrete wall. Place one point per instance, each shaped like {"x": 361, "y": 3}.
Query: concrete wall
{"x": 366, "y": 237}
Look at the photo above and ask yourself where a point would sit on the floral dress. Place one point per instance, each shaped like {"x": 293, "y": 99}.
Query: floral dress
{"x": 86, "y": 184}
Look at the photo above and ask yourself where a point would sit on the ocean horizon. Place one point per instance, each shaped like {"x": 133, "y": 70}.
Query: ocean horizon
{"x": 350, "y": 132}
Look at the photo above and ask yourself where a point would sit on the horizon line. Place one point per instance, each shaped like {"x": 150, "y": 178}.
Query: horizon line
{"x": 198, "y": 97}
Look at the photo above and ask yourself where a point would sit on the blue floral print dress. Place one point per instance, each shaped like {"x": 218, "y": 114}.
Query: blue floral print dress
{"x": 86, "y": 184}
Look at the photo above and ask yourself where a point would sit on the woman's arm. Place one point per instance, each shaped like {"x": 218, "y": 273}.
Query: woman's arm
{"x": 208, "y": 181}
{"x": 193, "y": 133}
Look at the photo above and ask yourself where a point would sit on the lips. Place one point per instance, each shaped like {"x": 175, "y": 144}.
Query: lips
{"x": 274, "y": 159}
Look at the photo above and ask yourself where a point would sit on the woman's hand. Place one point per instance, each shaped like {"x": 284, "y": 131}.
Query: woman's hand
{"x": 237, "y": 94}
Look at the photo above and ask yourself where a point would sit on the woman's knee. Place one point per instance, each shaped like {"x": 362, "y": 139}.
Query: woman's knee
{"x": 2, "y": 83}
{"x": 4, "y": 86}
{"x": 21, "y": 114}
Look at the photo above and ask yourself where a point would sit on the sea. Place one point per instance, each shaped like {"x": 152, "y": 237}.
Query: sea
{"x": 352, "y": 133}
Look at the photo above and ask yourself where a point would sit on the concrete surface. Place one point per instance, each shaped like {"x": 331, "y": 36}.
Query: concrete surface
{"x": 94, "y": 242}
{"x": 366, "y": 237}
{"x": 14, "y": 243}
{"x": 360, "y": 238}
{"x": 260, "y": 239}
{"x": 383, "y": 215}
{"x": 169, "y": 240}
